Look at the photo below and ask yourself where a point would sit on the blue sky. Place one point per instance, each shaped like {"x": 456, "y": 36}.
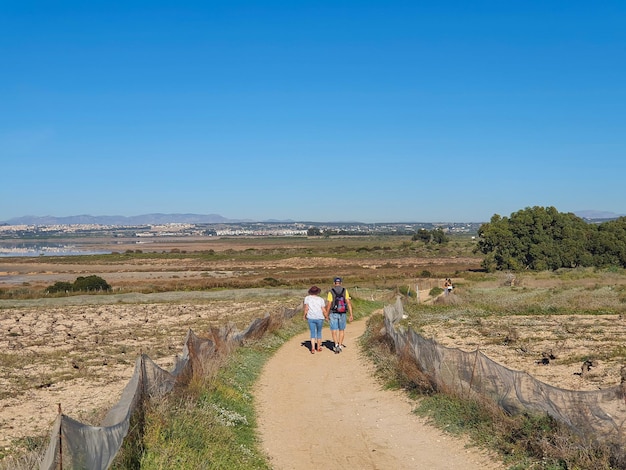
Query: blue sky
{"x": 365, "y": 111}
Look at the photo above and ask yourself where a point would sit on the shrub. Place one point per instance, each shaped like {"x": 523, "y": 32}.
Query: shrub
{"x": 59, "y": 287}
{"x": 271, "y": 282}
{"x": 91, "y": 283}
{"x": 435, "y": 291}
{"x": 81, "y": 284}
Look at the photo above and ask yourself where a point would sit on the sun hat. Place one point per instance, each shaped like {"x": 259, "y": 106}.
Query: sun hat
{"x": 314, "y": 290}
{"x": 337, "y": 279}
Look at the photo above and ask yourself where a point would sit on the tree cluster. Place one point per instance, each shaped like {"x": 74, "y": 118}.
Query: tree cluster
{"x": 541, "y": 238}
{"x": 437, "y": 236}
{"x": 81, "y": 284}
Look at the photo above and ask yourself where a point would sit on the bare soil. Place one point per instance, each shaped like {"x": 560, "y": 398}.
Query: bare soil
{"x": 552, "y": 348}
{"x": 79, "y": 351}
{"x": 82, "y": 356}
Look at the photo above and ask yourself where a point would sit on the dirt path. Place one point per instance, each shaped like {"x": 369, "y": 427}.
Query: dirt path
{"x": 326, "y": 410}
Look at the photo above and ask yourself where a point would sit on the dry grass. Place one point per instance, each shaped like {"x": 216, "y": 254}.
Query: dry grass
{"x": 548, "y": 328}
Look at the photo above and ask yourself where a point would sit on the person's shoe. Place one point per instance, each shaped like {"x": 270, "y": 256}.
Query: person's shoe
{"x": 336, "y": 349}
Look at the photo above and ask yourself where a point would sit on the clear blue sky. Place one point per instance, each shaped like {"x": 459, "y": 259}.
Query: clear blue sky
{"x": 374, "y": 111}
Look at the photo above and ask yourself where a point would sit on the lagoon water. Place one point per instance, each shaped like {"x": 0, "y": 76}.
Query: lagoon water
{"x": 29, "y": 249}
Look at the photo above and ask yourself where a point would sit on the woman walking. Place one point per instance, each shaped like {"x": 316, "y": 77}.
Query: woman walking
{"x": 315, "y": 313}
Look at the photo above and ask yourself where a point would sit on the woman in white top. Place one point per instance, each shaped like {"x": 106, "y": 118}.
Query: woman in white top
{"x": 314, "y": 313}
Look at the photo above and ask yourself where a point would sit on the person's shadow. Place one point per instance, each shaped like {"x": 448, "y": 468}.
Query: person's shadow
{"x": 325, "y": 344}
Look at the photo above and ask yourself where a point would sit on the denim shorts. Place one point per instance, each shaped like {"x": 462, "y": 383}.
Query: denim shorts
{"x": 315, "y": 326}
{"x": 337, "y": 321}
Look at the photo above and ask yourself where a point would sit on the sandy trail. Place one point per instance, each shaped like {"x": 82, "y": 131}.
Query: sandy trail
{"x": 327, "y": 410}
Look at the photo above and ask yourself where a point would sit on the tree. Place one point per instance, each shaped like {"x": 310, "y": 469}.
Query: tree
{"x": 313, "y": 232}
{"x": 422, "y": 235}
{"x": 439, "y": 236}
{"x": 91, "y": 283}
{"x": 608, "y": 244}
{"x": 435, "y": 236}
{"x": 536, "y": 238}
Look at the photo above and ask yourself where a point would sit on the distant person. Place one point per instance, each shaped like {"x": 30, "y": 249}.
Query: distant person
{"x": 447, "y": 285}
{"x": 315, "y": 313}
{"x": 337, "y": 307}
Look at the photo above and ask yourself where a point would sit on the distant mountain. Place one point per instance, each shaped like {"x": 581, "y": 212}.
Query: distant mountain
{"x": 591, "y": 214}
{"x": 146, "y": 219}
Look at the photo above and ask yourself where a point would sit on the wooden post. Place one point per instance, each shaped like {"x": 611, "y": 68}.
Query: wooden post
{"x": 60, "y": 439}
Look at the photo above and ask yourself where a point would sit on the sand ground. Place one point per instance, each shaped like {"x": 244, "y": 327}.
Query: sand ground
{"x": 327, "y": 410}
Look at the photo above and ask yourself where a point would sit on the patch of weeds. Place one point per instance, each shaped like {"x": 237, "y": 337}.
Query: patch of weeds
{"x": 524, "y": 440}
{"x": 617, "y": 351}
{"x": 15, "y": 361}
{"x": 24, "y": 454}
{"x": 435, "y": 291}
{"x": 271, "y": 282}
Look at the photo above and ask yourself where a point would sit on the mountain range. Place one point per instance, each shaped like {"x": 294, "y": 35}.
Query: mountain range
{"x": 145, "y": 219}
{"x": 597, "y": 215}
{"x": 156, "y": 219}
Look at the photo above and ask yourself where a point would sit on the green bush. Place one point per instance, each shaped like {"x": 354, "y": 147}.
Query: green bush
{"x": 91, "y": 283}
{"x": 81, "y": 284}
{"x": 435, "y": 291}
{"x": 59, "y": 286}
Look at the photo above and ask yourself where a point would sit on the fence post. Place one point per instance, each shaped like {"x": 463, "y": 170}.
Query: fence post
{"x": 469, "y": 391}
{"x": 60, "y": 439}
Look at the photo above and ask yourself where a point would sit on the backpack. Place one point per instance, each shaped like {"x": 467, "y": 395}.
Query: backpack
{"x": 340, "y": 305}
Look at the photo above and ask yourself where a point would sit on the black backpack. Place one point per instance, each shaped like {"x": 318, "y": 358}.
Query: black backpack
{"x": 340, "y": 304}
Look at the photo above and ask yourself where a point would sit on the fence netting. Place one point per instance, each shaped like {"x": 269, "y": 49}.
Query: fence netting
{"x": 601, "y": 413}
{"x": 75, "y": 445}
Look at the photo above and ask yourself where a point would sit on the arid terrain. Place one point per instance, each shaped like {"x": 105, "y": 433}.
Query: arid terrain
{"x": 79, "y": 351}
{"x": 552, "y": 348}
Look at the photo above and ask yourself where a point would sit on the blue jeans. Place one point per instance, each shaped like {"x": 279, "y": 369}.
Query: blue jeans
{"x": 316, "y": 328}
{"x": 337, "y": 321}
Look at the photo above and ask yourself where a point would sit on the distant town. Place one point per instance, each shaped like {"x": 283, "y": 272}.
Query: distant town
{"x": 154, "y": 225}
{"x": 231, "y": 229}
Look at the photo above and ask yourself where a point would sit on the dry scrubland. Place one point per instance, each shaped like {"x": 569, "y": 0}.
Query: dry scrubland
{"x": 80, "y": 350}
{"x": 569, "y": 336}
